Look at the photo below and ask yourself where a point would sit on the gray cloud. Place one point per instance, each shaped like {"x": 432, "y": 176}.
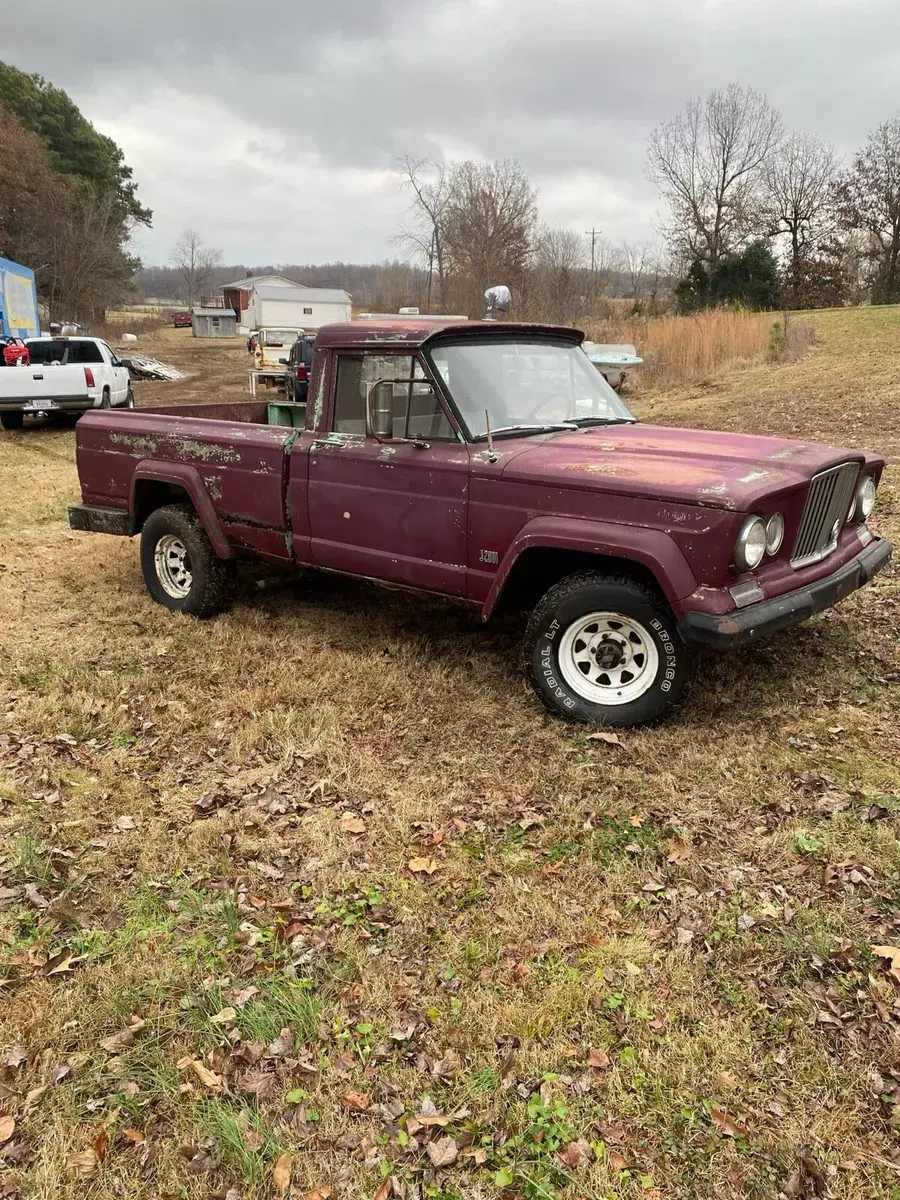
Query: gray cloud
{"x": 275, "y": 129}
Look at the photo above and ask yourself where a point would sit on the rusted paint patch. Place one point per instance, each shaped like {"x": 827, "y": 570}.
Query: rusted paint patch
{"x": 319, "y": 399}
{"x": 208, "y": 451}
{"x": 753, "y": 476}
{"x": 788, "y": 452}
{"x": 140, "y": 445}
{"x": 213, "y": 486}
{"x": 590, "y": 468}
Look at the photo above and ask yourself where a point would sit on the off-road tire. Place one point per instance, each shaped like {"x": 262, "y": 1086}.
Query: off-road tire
{"x": 212, "y": 578}
{"x": 575, "y": 598}
{"x": 12, "y": 420}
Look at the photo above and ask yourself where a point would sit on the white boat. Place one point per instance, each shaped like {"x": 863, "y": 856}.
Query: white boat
{"x": 613, "y": 362}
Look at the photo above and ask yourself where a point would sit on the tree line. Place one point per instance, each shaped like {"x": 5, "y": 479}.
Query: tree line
{"x": 763, "y": 215}
{"x": 68, "y": 200}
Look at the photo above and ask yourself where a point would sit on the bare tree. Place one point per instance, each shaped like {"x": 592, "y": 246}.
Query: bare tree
{"x": 195, "y": 263}
{"x": 708, "y": 163}
{"x": 490, "y": 221}
{"x": 428, "y": 181}
{"x": 637, "y": 258}
{"x": 559, "y": 279}
{"x": 869, "y": 201}
{"x": 800, "y": 202}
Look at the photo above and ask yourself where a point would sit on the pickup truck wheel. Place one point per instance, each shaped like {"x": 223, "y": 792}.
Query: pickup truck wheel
{"x": 12, "y": 420}
{"x": 605, "y": 650}
{"x": 181, "y": 569}
{"x": 104, "y": 399}
{"x": 129, "y": 397}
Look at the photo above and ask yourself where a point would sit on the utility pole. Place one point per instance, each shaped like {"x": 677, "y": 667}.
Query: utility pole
{"x": 593, "y": 234}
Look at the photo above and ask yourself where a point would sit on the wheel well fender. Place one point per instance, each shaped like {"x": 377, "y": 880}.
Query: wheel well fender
{"x": 155, "y": 484}
{"x": 549, "y": 548}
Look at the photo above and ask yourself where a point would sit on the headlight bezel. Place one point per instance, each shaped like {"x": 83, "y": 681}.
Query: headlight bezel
{"x": 864, "y": 500}
{"x": 742, "y": 560}
{"x": 774, "y": 542}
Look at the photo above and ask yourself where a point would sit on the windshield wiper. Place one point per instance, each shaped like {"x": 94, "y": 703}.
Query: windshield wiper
{"x": 543, "y": 428}
{"x": 605, "y": 421}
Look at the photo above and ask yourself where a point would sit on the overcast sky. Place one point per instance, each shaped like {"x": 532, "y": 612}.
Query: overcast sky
{"x": 274, "y": 128}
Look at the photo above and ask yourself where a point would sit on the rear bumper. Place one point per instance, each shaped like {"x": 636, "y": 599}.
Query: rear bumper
{"x": 759, "y": 620}
{"x": 92, "y": 518}
{"x": 64, "y": 404}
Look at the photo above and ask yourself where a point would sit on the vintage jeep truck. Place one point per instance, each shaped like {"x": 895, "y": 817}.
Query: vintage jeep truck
{"x": 492, "y": 464}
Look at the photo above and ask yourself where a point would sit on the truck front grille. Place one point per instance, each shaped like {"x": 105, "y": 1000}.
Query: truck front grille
{"x": 827, "y": 505}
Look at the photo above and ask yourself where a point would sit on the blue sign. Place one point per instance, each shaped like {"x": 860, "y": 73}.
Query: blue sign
{"x": 18, "y": 301}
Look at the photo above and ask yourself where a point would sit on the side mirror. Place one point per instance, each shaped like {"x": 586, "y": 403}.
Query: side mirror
{"x": 380, "y": 409}
{"x": 284, "y": 362}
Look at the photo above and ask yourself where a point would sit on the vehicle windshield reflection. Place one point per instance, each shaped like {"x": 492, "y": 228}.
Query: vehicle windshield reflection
{"x": 526, "y": 385}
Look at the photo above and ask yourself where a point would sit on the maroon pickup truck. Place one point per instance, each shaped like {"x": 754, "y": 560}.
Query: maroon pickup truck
{"x": 492, "y": 464}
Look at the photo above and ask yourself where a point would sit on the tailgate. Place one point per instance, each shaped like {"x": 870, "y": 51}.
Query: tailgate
{"x": 42, "y": 382}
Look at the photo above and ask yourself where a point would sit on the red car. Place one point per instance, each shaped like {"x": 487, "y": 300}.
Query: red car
{"x": 492, "y": 464}
{"x": 181, "y": 320}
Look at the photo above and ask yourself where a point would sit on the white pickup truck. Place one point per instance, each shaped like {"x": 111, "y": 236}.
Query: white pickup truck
{"x": 66, "y": 374}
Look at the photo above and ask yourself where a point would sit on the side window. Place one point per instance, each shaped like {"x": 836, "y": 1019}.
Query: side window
{"x": 84, "y": 352}
{"x": 417, "y": 410}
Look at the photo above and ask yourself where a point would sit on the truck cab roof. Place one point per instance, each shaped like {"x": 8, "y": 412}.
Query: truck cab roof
{"x": 417, "y": 331}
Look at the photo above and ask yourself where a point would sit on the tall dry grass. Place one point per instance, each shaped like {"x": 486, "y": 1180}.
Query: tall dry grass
{"x": 689, "y": 349}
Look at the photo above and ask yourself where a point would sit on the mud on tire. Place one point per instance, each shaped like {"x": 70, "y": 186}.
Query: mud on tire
{"x": 181, "y": 569}
{"x": 605, "y": 650}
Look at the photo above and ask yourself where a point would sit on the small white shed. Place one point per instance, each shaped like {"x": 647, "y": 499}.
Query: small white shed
{"x": 275, "y": 307}
{"x": 214, "y": 322}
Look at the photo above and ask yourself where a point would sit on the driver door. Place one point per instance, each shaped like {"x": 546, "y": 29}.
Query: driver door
{"x": 396, "y": 509}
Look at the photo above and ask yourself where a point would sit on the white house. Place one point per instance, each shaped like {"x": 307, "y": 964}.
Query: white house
{"x": 237, "y": 294}
{"x": 273, "y": 306}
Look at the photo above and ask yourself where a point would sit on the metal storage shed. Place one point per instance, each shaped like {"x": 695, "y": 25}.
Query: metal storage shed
{"x": 214, "y": 322}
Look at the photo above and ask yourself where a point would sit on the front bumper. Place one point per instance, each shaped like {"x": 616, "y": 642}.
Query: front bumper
{"x": 759, "y": 620}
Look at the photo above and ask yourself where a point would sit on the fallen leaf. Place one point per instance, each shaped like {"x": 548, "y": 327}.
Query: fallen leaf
{"x": 245, "y": 994}
{"x": 208, "y": 1078}
{"x": 16, "y": 1056}
{"x": 123, "y": 1039}
{"x": 683, "y": 937}
{"x": 679, "y": 850}
{"x": 422, "y": 866}
{"x": 125, "y": 823}
{"x": 385, "y": 1190}
{"x": 446, "y": 1067}
{"x": 202, "y": 1163}
{"x": 892, "y": 953}
{"x": 723, "y": 1122}
{"x": 254, "y": 1140}
{"x": 101, "y": 1141}
{"x": 83, "y": 1162}
{"x": 225, "y": 1017}
{"x": 324, "y": 1193}
{"x": 443, "y": 1152}
{"x": 134, "y": 1136}
{"x": 612, "y": 739}
{"x": 351, "y": 823}
{"x": 7, "y": 1127}
{"x": 58, "y": 1074}
{"x": 281, "y": 1173}
{"x": 35, "y": 896}
{"x": 575, "y": 1153}
{"x": 35, "y": 1094}
{"x": 598, "y": 1059}
{"x": 617, "y": 1162}
{"x": 63, "y": 962}
{"x": 356, "y": 1101}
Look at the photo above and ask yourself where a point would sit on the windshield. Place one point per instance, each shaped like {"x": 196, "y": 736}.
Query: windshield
{"x": 525, "y": 384}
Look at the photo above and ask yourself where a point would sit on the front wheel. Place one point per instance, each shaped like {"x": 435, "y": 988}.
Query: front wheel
{"x": 605, "y": 650}
{"x": 181, "y": 569}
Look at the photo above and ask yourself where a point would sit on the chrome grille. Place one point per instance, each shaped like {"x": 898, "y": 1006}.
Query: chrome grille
{"x": 828, "y": 501}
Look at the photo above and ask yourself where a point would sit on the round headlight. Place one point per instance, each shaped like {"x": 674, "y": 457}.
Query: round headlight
{"x": 865, "y": 499}
{"x": 750, "y": 545}
{"x": 774, "y": 533}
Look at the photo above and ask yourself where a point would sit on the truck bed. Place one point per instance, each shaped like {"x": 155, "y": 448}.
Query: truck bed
{"x": 224, "y": 458}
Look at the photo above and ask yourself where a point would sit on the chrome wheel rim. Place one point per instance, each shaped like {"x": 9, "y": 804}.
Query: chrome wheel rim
{"x": 173, "y": 566}
{"x": 608, "y": 659}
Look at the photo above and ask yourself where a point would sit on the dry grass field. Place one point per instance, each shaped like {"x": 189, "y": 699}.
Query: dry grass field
{"x": 313, "y": 899}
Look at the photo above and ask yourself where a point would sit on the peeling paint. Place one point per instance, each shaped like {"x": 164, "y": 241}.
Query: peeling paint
{"x": 788, "y": 452}
{"x": 208, "y": 451}
{"x": 213, "y": 486}
{"x": 753, "y": 476}
{"x": 142, "y": 445}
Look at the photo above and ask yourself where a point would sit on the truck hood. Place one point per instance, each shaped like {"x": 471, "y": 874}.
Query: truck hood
{"x": 687, "y": 466}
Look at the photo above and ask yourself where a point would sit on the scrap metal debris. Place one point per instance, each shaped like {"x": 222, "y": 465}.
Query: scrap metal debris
{"x": 151, "y": 368}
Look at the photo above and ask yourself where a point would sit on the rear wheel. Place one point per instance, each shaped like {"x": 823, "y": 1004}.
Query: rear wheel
{"x": 129, "y": 397}
{"x": 605, "y": 650}
{"x": 104, "y": 399}
{"x": 12, "y": 420}
{"x": 181, "y": 569}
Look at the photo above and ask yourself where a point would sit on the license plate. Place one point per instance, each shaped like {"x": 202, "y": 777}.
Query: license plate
{"x": 41, "y": 405}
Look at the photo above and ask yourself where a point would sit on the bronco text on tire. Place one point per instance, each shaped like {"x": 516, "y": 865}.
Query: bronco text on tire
{"x": 605, "y": 650}
{"x": 181, "y": 569}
